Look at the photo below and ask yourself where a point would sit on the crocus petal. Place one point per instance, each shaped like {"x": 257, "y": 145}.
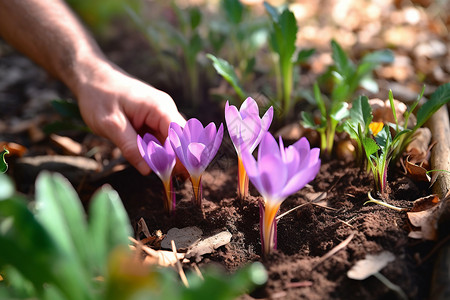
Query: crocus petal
{"x": 176, "y": 145}
{"x": 249, "y": 107}
{"x": 196, "y": 158}
{"x": 268, "y": 146}
{"x": 249, "y": 132}
{"x": 207, "y": 135}
{"x": 217, "y": 142}
{"x": 273, "y": 176}
{"x": 150, "y": 138}
{"x": 160, "y": 161}
{"x": 193, "y": 130}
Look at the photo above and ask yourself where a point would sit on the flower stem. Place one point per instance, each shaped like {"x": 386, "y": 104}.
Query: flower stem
{"x": 242, "y": 191}
{"x": 169, "y": 203}
{"x": 198, "y": 191}
{"x": 268, "y": 225}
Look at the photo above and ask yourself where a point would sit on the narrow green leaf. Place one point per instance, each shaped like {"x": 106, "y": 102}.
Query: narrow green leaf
{"x": 227, "y": 71}
{"x": 61, "y": 213}
{"x": 3, "y": 163}
{"x": 109, "y": 226}
{"x": 67, "y": 108}
{"x": 391, "y": 102}
{"x": 343, "y": 64}
{"x": 385, "y": 56}
{"x": 440, "y": 97}
{"x": 319, "y": 101}
{"x": 273, "y": 12}
{"x": 304, "y": 55}
{"x": 195, "y": 16}
{"x": 233, "y": 10}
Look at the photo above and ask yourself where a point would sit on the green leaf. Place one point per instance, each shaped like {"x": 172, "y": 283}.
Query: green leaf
{"x": 370, "y": 146}
{"x": 308, "y": 120}
{"x": 383, "y": 138}
{"x": 361, "y": 112}
{"x": 304, "y": 55}
{"x": 224, "y": 286}
{"x": 227, "y": 71}
{"x": 61, "y": 213}
{"x": 6, "y": 187}
{"x": 339, "y": 111}
{"x": 440, "y": 97}
{"x": 109, "y": 226}
{"x": 343, "y": 64}
{"x": 67, "y": 108}
{"x": 195, "y": 16}
{"x": 319, "y": 101}
{"x": 273, "y": 12}
{"x": 3, "y": 163}
{"x": 234, "y": 10}
{"x": 379, "y": 57}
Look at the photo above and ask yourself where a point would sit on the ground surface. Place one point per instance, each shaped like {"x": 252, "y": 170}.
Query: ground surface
{"x": 419, "y": 37}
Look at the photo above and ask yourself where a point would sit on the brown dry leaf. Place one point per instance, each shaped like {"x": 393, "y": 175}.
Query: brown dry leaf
{"x": 13, "y": 148}
{"x": 208, "y": 245}
{"x": 423, "y": 216}
{"x": 68, "y": 145}
{"x": 425, "y": 203}
{"x": 418, "y": 149}
{"x": 370, "y": 265}
{"x": 153, "y": 240}
{"x": 416, "y": 172}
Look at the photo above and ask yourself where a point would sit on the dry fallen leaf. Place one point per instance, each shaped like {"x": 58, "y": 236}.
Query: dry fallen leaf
{"x": 13, "y": 148}
{"x": 372, "y": 264}
{"x": 418, "y": 149}
{"x": 416, "y": 172}
{"x": 68, "y": 145}
{"x": 423, "y": 216}
{"x": 184, "y": 237}
{"x": 208, "y": 245}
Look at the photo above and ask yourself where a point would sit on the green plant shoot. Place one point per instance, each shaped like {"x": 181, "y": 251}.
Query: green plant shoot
{"x": 3, "y": 163}
{"x": 282, "y": 41}
{"x": 227, "y": 72}
{"x": 330, "y": 117}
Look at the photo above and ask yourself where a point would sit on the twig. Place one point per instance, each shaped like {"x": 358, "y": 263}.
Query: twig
{"x": 336, "y": 249}
{"x": 179, "y": 267}
{"x": 318, "y": 198}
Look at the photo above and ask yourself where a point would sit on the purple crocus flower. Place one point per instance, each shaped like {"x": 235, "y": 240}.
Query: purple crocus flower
{"x": 161, "y": 159}
{"x": 195, "y": 147}
{"x": 246, "y": 130}
{"x": 279, "y": 173}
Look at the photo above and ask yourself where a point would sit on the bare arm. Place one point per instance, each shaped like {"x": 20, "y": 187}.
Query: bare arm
{"x": 112, "y": 103}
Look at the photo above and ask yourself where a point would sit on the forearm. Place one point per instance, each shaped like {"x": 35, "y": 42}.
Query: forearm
{"x": 49, "y": 33}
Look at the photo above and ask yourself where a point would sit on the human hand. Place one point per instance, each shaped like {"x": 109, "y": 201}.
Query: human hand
{"x": 117, "y": 106}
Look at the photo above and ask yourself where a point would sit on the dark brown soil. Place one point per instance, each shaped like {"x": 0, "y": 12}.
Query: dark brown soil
{"x": 296, "y": 270}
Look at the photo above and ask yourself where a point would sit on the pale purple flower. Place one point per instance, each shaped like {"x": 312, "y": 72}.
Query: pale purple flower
{"x": 246, "y": 129}
{"x": 161, "y": 159}
{"x": 195, "y": 147}
{"x": 279, "y": 173}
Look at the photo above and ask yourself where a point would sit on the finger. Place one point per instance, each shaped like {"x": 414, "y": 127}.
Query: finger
{"x": 126, "y": 141}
